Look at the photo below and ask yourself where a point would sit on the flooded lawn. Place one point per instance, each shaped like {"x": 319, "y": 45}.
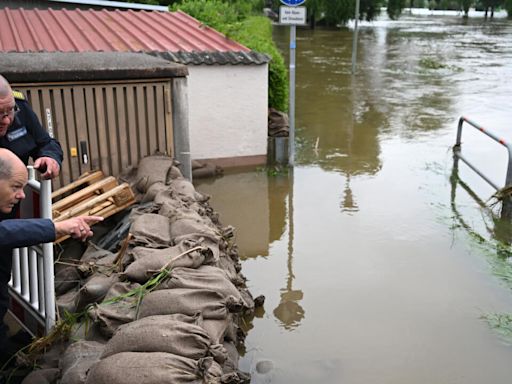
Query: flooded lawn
{"x": 376, "y": 267}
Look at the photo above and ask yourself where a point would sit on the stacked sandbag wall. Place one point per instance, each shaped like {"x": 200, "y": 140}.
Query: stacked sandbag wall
{"x": 164, "y": 308}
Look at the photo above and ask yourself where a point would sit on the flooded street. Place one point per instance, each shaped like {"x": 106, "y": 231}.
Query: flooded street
{"x": 376, "y": 267}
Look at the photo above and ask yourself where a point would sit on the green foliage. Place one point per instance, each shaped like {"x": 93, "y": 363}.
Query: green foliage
{"x": 233, "y": 18}
{"x": 395, "y": 8}
{"x": 508, "y": 7}
{"x": 501, "y": 323}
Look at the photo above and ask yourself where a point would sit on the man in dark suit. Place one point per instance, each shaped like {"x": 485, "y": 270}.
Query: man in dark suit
{"x": 16, "y": 233}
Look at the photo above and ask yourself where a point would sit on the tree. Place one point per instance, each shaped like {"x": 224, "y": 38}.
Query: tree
{"x": 395, "y": 8}
{"x": 508, "y": 7}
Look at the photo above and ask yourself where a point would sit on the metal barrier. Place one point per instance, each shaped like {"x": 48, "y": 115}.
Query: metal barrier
{"x": 32, "y": 280}
{"x": 507, "y": 204}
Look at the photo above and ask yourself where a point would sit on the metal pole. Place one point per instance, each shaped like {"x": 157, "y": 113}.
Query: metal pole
{"x": 45, "y": 199}
{"x": 291, "y": 138}
{"x": 354, "y": 39}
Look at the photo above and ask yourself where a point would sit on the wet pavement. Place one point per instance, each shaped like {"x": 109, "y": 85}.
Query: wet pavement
{"x": 377, "y": 268}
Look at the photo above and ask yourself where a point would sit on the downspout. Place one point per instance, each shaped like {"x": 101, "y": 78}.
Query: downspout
{"x": 179, "y": 93}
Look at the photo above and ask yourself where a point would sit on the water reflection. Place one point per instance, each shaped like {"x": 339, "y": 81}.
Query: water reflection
{"x": 289, "y": 312}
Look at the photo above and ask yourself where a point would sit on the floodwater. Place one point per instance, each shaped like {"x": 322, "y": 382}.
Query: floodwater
{"x": 376, "y": 266}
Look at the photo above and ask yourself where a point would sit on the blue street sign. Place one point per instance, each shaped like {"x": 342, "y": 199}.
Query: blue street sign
{"x": 292, "y": 3}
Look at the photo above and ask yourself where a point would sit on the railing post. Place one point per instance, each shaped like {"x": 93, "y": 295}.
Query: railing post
{"x": 45, "y": 199}
{"x": 506, "y": 208}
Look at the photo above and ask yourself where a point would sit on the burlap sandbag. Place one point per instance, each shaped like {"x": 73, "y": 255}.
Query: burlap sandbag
{"x": 211, "y": 304}
{"x": 204, "y": 277}
{"x": 153, "y": 169}
{"x": 42, "y": 376}
{"x": 154, "y": 368}
{"x": 187, "y": 191}
{"x": 164, "y": 334}
{"x": 151, "y": 230}
{"x": 152, "y": 191}
{"x": 66, "y": 278}
{"x": 96, "y": 259}
{"x": 95, "y": 289}
{"x": 218, "y": 329}
{"x": 67, "y": 302}
{"x": 212, "y": 243}
{"x": 116, "y": 309}
{"x": 148, "y": 261}
{"x": 77, "y": 359}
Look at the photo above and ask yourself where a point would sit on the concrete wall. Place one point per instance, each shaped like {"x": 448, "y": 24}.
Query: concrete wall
{"x": 228, "y": 113}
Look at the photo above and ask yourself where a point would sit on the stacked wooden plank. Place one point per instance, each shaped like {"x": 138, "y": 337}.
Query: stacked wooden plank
{"x": 92, "y": 194}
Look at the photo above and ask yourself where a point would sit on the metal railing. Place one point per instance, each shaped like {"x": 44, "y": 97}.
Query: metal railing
{"x": 32, "y": 280}
{"x": 507, "y": 204}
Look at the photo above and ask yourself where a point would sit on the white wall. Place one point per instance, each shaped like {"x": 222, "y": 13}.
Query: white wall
{"x": 227, "y": 110}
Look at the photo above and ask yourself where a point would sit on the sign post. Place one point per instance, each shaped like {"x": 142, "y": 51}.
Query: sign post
{"x": 291, "y": 14}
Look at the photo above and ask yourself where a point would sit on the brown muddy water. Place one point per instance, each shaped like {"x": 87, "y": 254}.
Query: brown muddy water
{"x": 377, "y": 268}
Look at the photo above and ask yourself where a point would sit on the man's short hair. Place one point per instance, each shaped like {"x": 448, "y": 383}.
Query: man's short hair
{"x": 5, "y": 169}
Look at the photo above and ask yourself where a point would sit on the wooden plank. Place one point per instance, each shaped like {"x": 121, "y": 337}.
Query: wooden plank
{"x": 59, "y": 125}
{"x": 69, "y": 123}
{"x": 160, "y": 117}
{"x": 84, "y": 179}
{"x": 102, "y": 133}
{"x": 169, "y": 125}
{"x": 112, "y": 131}
{"x": 121, "y": 110}
{"x": 104, "y": 185}
{"x": 81, "y": 123}
{"x": 92, "y": 128}
{"x": 151, "y": 119}
{"x": 107, "y": 212}
{"x": 120, "y": 189}
{"x": 141, "y": 122}
{"x": 132, "y": 125}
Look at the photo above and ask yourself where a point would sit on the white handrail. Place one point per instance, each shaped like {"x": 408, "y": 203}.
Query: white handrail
{"x": 32, "y": 280}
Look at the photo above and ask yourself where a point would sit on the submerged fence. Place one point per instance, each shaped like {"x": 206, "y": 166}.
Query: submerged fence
{"x": 506, "y": 198}
{"x": 32, "y": 282}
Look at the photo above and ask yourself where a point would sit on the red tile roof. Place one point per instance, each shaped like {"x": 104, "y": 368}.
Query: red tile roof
{"x": 35, "y": 30}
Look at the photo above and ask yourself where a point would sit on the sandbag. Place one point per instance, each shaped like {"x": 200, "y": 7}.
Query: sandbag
{"x": 153, "y": 169}
{"x": 154, "y": 368}
{"x": 109, "y": 315}
{"x": 151, "y": 230}
{"x": 66, "y": 278}
{"x": 77, "y": 359}
{"x": 95, "y": 289}
{"x": 186, "y": 190}
{"x": 204, "y": 277}
{"x": 211, "y": 304}
{"x": 152, "y": 191}
{"x": 67, "y": 302}
{"x": 96, "y": 259}
{"x": 164, "y": 334}
{"x": 218, "y": 330}
{"x": 42, "y": 376}
{"x": 149, "y": 261}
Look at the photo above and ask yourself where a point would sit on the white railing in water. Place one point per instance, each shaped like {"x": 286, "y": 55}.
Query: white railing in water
{"x": 32, "y": 280}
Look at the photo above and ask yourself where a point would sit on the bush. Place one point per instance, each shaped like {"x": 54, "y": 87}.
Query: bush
{"x": 233, "y": 18}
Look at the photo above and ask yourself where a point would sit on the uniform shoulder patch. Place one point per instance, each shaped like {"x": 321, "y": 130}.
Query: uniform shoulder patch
{"x": 18, "y": 95}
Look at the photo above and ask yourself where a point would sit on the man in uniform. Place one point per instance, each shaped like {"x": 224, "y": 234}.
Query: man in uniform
{"x": 22, "y": 133}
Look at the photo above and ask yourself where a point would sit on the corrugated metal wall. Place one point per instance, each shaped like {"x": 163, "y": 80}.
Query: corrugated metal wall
{"x": 106, "y": 126}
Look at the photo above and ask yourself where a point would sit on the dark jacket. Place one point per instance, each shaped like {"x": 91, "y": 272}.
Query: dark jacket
{"x": 24, "y": 232}
{"x": 27, "y": 138}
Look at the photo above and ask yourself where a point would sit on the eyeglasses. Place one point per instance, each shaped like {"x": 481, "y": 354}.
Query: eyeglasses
{"x": 9, "y": 112}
